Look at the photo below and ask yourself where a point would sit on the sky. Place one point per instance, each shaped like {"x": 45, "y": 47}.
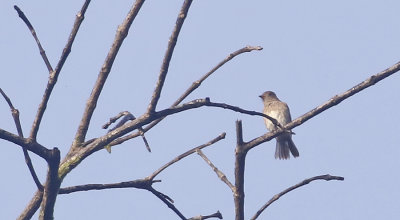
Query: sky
{"x": 313, "y": 50}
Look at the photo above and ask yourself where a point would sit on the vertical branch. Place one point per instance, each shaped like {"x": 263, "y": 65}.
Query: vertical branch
{"x": 240, "y": 157}
{"x": 120, "y": 36}
{"x": 51, "y": 188}
{"x": 54, "y": 74}
{"x": 168, "y": 55}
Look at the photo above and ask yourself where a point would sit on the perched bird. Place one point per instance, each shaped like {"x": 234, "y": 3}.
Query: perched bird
{"x": 280, "y": 111}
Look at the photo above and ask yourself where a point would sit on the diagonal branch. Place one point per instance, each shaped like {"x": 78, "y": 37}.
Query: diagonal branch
{"x": 332, "y": 102}
{"x": 54, "y": 74}
{"x": 187, "y": 153}
{"x": 168, "y": 55}
{"x": 189, "y": 90}
{"x": 220, "y": 174}
{"x": 326, "y": 177}
{"x": 28, "y": 161}
{"x": 32, "y": 30}
{"x": 167, "y": 201}
{"x": 120, "y": 36}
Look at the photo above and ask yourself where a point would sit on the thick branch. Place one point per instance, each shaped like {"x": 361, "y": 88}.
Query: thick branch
{"x": 27, "y": 144}
{"x": 240, "y": 159}
{"x": 120, "y": 36}
{"x": 326, "y": 177}
{"x": 168, "y": 55}
{"x": 32, "y": 207}
{"x": 51, "y": 187}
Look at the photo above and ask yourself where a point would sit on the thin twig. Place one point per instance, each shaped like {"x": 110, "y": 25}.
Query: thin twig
{"x": 167, "y": 201}
{"x": 28, "y": 161}
{"x": 219, "y": 173}
{"x": 120, "y": 36}
{"x": 187, "y": 153}
{"x": 127, "y": 116}
{"x": 326, "y": 177}
{"x": 189, "y": 90}
{"x": 54, "y": 74}
{"x": 197, "y": 83}
{"x": 32, "y": 30}
{"x": 168, "y": 55}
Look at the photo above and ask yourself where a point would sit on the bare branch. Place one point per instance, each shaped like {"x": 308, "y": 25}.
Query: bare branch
{"x": 120, "y": 36}
{"x": 54, "y": 74}
{"x": 201, "y": 217}
{"x": 51, "y": 187}
{"x": 139, "y": 184}
{"x": 28, "y": 161}
{"x": 32, "y": 30}
{"x": 197, "y": 83}
{"x": 332, "y": 102}
{"x": 167, "y": 201}
{"x": 326, "y": 177}
{"x": 127, "y": 116}
{"x": 32, "y": 207}
{"x": 240, "y": 162}
{"x": 26, "y": 143}
{"x": 187, "y": 153}
{"x": 168, "y": 55}
{"x": 193, "y": 87}
{"x": 220, "y": 174}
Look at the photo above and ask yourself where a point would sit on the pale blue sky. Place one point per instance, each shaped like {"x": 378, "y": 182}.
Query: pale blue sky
{"x": 313, "y": 50}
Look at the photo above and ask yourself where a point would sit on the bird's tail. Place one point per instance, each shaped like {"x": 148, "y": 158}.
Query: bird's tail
{"x": 283, "y": 146}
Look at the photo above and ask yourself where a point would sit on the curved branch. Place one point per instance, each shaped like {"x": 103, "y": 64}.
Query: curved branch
{"x": 326, "y": 177}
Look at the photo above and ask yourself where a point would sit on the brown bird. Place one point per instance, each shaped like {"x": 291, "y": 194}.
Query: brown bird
{"x": 280, "y": 111}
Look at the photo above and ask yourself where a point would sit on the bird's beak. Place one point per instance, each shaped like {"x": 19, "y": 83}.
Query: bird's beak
{"x": 260, "y": 96}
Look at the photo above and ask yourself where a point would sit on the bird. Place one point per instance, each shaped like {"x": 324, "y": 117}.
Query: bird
{"x": 280, "y": 111}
